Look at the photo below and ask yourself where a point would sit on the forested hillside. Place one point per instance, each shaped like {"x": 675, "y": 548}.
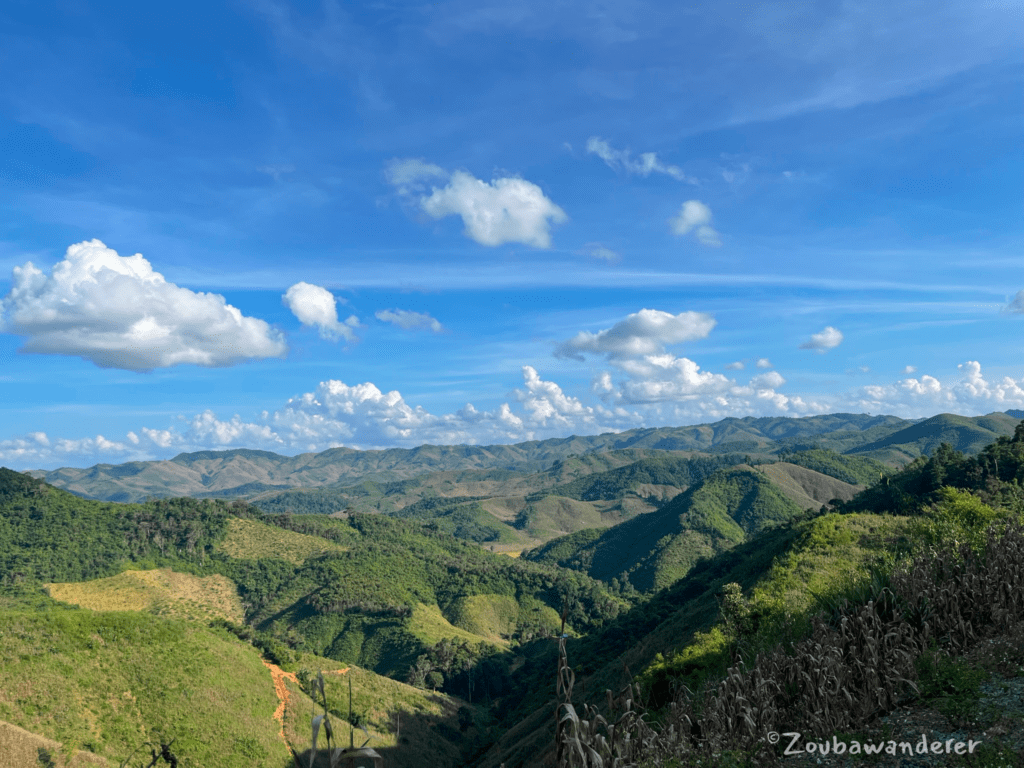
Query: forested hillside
{"x": 247, "y": 472}
{"x": 664, "y": 569}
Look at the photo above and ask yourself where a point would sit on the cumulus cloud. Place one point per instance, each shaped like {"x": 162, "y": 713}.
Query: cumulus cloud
{"x": 316, "y": 306}
{"x": 764, "y": 362}
{"x": 409, "y": 320}
{"x": 824, "y": 340}
{"x": 910, "y": 369}
{"x": 365, "y": 416}
{"x": 737, "y": 366}
{"x": 645, "y": 332}
{"x": 770, "y": 380}
{"x": 506, "y": 210}
{"x": 664, "y": 378}
{"x": 645, "y": 165}
{"x": 694, "y": 216}
{"x": 971, "y": 393}
{"x": 117, "y": 312}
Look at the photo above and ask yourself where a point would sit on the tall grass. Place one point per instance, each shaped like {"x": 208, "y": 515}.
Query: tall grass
{"x": 857, "y": 662}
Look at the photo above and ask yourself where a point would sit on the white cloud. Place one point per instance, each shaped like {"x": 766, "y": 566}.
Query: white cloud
{"x": 1016, "y": 305}
{"x": 409, "y": 320}
{"x": 642, "y": 333}
{"x": 316, "y": 306}
{"x": 695, "y": 216}
{"x": 506, "y": 210}
{"x": 410, "y": 176}
{"x": 654, "y": 390}
{"x": 737, "y": 366}
{"x": 599, "y": 251}
{"x": 663, "y": 378}
{"x": 824, "y": 340}
{"x": 764, "y": 362}
{"x": 910, "y": 369}
{"x": 927, "y": 395}
{"x": 118, "y": 313}
{"x": 647, "y": 163}
{"x": 770, "y": 380}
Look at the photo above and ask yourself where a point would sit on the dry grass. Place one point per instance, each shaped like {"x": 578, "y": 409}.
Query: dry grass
{"x": 250, "y": 540}
{"x": 805, "y": 487}
{"x": 162, "y": 591}
{"x": 857, "y": 663}
{"x": 22, "y": 749}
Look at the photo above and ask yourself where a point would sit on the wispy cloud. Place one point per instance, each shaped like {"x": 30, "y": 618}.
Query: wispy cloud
{"x": 403, "y": 318}
{"x": 646, "y": 164}
{"x": 600, "y": 251}
{"x": 1016, "y": 305}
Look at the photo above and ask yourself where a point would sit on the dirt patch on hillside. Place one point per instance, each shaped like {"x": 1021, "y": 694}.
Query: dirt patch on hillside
{"x": 279, "y": 676}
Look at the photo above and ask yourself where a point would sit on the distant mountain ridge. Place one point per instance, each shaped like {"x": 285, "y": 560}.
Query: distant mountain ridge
{"x": 247, "y": 472}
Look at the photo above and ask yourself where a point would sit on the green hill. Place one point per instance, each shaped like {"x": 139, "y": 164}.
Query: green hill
{"x": 968, "y": 435}
{"x": 652, "y": 551}
{"x": 246, "y": 472}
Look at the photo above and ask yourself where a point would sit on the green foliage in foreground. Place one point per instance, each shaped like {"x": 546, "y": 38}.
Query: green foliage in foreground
{"x": 106, "y": 682}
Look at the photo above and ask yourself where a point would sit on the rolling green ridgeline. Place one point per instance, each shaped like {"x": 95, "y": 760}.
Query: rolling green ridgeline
{"x": 654, "y": 550}
{"x": 680, "y": 473}
{"x": 736, "y": 561}
{"x": 690, "y": 633}
{"x": 247, "y": 472}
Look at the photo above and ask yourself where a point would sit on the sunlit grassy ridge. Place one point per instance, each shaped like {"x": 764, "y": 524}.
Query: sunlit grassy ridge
{"x": 162, "y": 591}
{"x": 105, "y": 682}
{"x": 251, "y": 540}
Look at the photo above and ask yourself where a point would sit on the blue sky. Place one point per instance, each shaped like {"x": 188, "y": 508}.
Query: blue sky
{"x": 293, "y": 226}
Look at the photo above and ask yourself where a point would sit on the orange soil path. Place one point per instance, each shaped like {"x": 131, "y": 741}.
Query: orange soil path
{"x": 278, "y": 675}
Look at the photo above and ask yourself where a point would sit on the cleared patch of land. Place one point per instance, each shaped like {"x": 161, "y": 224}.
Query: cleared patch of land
{"x": 805, "y": 487}
{"x": 162, "y": 592}
{"x": 250, "y": 540}
{"x": 430, "y": 625}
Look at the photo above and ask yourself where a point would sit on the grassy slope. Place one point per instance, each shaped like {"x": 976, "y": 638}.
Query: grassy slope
{"x": 807, "y": 488}
{"x": 968, "y": 435}
{"x": 24, "y": 749}
{"x": 404, "y": 724}
{"x": 162, "y": 592}
{"x": 105, "y": 682}
{"x": 252, "y": 540}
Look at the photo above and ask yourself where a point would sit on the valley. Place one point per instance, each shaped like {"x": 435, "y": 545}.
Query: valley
{"x": 142, "y": 615}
